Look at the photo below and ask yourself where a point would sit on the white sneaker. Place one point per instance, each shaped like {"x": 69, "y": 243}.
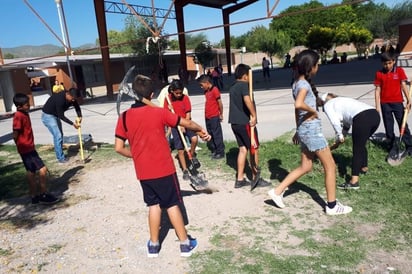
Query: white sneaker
{"x": 338, "y": 209}
{"x": 277, "y": 199}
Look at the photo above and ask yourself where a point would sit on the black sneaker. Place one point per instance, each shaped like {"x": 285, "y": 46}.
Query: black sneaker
{"x": 35, "y": 200}
{"x": 263, "y": 183}
{"x": 47, "y": 199}
{"x": 63, "y": 162}
{"x": 348, "y": 185}
{"x": 218, "y": 156}
{"x": 195, "y": 162}
{"x": 239, "y": 184}
{"x": 186, "y": 175}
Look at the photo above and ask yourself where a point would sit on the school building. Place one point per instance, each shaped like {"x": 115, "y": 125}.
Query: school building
{"x": 36, "y": 76}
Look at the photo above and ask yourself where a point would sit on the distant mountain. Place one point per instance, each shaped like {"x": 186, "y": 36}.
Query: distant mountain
{"x": 32, "y": 51}
{"x": 38, "y": 51}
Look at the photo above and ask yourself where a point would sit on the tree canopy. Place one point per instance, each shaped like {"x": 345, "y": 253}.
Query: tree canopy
{"x": 312, "y": 24}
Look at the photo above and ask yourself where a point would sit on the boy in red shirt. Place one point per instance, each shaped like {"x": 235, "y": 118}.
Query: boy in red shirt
{"x": 143, "y": 127}
{"x": 182, "y": 107}
{"x": 390, "y": 83}
{"x": 24, "y": 139}
{"x": 213, "y": 116}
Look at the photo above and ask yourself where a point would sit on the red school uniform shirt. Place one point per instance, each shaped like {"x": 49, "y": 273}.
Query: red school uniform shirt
{"x": 211, "y": 104}
{"x": 143, "y": 127}
{"x": 181, "y": 106}
{"x": 25, "y": 139}
{"x": 390, "y": 83}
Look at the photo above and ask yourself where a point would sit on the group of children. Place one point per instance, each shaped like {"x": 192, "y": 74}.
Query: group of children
{"x": 154, "y": 165}
{"x": 343, "y": 113}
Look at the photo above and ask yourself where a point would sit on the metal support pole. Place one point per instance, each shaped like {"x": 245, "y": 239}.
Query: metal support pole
{"x": 63, "y": 29}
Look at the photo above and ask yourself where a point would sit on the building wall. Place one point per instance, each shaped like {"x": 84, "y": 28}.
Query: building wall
{"x": 405, "y": 35}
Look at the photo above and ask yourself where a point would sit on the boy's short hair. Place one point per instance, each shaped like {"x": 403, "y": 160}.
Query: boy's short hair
{"x": 387, "y": 56}
{"x": 204, "y": 78}
{"x": 142, "y": 86}
{"x": 175, "y": 85}
{"x": 241, "y": 70}
{"x": 20, "y": 99}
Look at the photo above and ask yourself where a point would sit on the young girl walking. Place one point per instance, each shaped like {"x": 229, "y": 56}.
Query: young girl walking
{"x": 309, "y": 135}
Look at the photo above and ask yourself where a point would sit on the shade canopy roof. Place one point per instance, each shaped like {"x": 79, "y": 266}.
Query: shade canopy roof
{"x": 219, "y": 4}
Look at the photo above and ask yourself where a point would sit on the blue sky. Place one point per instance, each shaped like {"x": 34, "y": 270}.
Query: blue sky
{"x": 20, "y": 26}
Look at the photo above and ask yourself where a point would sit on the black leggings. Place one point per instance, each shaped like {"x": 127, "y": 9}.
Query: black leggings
{"x": 364, "y": 125}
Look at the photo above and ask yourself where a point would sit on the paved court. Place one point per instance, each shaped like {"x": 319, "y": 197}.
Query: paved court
{"x": 273, "y": 100}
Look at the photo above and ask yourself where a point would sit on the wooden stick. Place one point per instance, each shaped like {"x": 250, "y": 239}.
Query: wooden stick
{"x": 252, "y": 129}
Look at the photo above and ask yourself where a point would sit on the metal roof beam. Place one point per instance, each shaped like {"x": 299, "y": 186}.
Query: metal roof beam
{"x": 121, "y": 8}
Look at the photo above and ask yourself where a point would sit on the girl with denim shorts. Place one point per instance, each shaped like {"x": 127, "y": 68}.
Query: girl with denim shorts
{"x": 310, "y": 137}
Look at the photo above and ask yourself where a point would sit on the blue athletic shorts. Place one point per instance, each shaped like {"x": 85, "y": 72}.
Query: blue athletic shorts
{"x": 177, "y": 141}
{"x": 32, "y": 161}
{"x": 164, "y": 191}
{"x": 311, "y": 137}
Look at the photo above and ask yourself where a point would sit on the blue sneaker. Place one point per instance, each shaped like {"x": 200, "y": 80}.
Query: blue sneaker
{"x": 152, "y": 250}
{"x": 187, "y": 250}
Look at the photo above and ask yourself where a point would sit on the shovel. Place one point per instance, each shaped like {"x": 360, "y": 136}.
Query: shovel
{"x": 196, "y": 178}
{"x": 398, "y": 154}
{"x": 253, "y": 144}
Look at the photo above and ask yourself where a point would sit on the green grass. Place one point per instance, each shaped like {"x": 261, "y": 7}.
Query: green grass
{"x": 13, "y": 181}
{"x": 381, "y": 222}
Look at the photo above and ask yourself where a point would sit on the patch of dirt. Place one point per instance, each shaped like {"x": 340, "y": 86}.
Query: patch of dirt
{"x": 101, "y": 224}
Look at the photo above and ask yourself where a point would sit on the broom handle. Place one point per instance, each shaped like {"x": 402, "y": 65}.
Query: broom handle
{"x": 80, "y": 138}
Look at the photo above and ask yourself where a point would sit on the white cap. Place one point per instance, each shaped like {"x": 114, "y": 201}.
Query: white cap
{"x": 323, "y": 97}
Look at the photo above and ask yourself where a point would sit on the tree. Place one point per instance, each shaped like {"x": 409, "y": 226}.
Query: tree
{"x": 254, "y": 38}
{"x": 361, "y": 38}
{"x": 342, "y": 34}
{"x": 296, "y": 21}
{"x": 192, "y": 41}
{"x": 399, "y": 12}
{"x": 320, "y": 39}
{"x": 173, "y": 44}
{"x": 336, "y": 16}
{"x": 9, "y": 56}
{"x": 373, "y": 17}
{"x": 268, "y": 41}
{"x": 236, "y": 42}
{"x": 118, "y": 42}
{"x": 136, "y": 34}
{"x": 204, "y": 54}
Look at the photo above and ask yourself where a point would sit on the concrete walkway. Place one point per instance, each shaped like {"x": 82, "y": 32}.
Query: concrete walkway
{"x": 273, "y": 100}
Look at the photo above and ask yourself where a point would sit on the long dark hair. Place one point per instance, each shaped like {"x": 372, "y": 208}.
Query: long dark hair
{"x": 305, "y": 61}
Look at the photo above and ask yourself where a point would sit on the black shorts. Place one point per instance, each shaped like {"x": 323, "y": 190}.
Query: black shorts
{"x": 164, "y": 191}
{"x": 242, "y": 134}
{"x": 32, "y": 161}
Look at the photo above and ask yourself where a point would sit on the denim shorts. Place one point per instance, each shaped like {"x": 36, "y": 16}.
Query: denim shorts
{"x": 311, "y": 137}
